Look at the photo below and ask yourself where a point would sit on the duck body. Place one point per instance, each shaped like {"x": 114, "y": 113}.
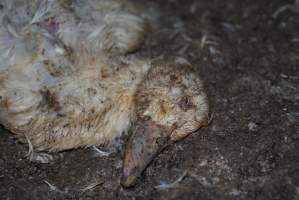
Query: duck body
{"x": 58, "y": 86}
{"x": 65, "y": 81}
{"x": 79, "y": 109}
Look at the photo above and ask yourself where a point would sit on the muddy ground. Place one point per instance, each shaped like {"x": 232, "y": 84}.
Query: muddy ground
{"x": 250, "y": 64}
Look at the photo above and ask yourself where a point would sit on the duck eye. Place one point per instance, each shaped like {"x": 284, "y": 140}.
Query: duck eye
{"x": 186, "y": 103}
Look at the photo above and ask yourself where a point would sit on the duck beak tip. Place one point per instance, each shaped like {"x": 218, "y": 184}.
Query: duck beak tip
{"x": 147, "y": 140}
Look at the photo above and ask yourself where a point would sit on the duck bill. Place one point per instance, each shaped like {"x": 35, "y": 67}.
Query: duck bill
{"x": 147, "y": 141}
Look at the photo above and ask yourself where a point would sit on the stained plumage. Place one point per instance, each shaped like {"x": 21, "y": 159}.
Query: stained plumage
{"x": 66, "y": 79}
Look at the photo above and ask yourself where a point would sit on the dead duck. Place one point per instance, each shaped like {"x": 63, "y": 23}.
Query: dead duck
{"x": 64, "y": 83}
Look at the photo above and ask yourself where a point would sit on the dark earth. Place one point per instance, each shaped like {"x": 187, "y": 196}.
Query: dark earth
{"x": 249, "y": 61}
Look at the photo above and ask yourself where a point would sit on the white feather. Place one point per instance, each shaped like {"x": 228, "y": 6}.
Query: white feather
{"x": 42, "y": 11}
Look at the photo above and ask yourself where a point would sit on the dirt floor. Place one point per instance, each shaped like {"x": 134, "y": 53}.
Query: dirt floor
{"x": 249, "y": 61}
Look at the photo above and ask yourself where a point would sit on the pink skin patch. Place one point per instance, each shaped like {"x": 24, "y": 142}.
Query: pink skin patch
{"x": 51, "y": 25}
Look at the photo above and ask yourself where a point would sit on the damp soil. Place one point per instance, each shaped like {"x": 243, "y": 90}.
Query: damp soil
{"x": 249, "y": 61}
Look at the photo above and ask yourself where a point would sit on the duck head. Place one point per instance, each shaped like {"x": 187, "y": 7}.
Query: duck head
{"x": 170, "y": 104}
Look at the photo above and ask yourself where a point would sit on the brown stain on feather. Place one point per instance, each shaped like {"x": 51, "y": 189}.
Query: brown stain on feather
{"x": 50, "y": 100}
{"x": 4, "y": 102}
{"x": 163, "y": 108}
{"x": 52, "y": 69}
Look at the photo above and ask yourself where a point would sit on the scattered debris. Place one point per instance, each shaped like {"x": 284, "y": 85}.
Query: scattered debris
{"x": 119, "y": 164}
{"x": 293, "y": 117}
{"x": 211, "y": 118}
{"x": 165, "y": 186}
{"x": 99, "y": 152}
{"x": 292, "y": 7}
{"x": 235, "y": 192}
{"x": 283, "y": 76}
{"x": 43, "y": 158}
{"x": 203, "y": 163}
{"x": 181, "y": 61}
{"x": 84, "y": 189}
{"x": 208, "y": 40}
{"x": 91, "y": 186}
{"x": 296, "y": 193}
{"x": 202, "y": 180}
{"x": 295, "y": 40}
{"x": 54, "y": 188}
{"x": 287, "y": 90}
{"x": 228, "y": 27}
{"x": 252, "y": 126}
{"x": 193, "y": 8}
